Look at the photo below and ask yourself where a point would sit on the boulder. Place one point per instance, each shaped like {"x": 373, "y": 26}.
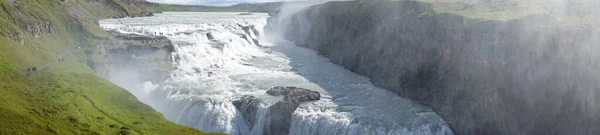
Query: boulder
{"x": 294, "y": 94}
{"x": 248, "y": 106}
{"x": 280, "y": 118}
{"x": 210, "y": 37}
{"x": 280, "y": 114}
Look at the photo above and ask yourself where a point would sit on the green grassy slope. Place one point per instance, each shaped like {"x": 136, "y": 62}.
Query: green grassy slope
{"x": 181, "y": 8}
{"x": 565, "y": 11}
{"x": 270, "y": 7}
{"x": 68, "y": 98}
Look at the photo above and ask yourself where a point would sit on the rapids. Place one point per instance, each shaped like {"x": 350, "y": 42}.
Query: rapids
{"x": 239, "y": 58}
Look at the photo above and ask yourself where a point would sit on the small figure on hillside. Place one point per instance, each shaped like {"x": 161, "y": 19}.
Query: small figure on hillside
{"x": 28, "y": 70}
{"x": 34, "y": 69}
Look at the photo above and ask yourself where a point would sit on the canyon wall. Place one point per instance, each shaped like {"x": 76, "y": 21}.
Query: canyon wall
{"x": 529, "y": 75}
{"x": 148, "y": 56}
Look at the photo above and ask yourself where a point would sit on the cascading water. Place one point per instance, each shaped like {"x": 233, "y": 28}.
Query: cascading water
{"x": 218, "y": 61}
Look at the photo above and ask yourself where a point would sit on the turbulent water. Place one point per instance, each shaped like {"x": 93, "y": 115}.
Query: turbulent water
{"x": 218, "y": 59}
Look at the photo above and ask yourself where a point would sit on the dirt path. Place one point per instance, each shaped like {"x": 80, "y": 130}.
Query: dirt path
{"x": 60, "y": 57}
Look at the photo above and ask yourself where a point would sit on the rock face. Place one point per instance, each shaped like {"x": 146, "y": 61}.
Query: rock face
{"x": 279, "y": 117}
{"x": 281, "y": 113}
{"x": 147, "y": 56}
{"x": 252, "y": 32}
{"x": 294, "y": 94}
{"x": 248, "y": 106}
{"x": 521, "y": 76}
{"x": 209, "y": 36}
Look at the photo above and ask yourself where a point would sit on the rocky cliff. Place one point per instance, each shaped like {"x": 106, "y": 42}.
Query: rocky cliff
{"x": 150, "y": 56}
{"x": 529, "y": 74}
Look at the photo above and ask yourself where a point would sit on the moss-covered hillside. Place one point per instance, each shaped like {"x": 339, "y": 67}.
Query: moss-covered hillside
{"x": 68, "y": 98}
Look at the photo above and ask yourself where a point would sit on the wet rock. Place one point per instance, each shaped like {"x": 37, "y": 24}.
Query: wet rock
{"x": 294, "y": 94}
{"x": 249, "y": 30}
{"x": 256, "y": 42}
{"x": 209, "y": 36}
{"x": 277, "y": 91}
{"x": 280, "y": 118}
{"x": 248, "y": 106}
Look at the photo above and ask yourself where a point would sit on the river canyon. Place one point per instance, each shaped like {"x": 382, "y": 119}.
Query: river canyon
{"x": 223, "y": 65}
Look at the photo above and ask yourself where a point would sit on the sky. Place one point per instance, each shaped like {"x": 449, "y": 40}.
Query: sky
{"x": 212, "y": 2}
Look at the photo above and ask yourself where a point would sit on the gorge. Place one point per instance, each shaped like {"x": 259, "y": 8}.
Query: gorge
{"x": 322, "y": 67}
{"x": 486, "y": 70}
{"x": 511, "y": 70}
{"x": 228, "y": 76}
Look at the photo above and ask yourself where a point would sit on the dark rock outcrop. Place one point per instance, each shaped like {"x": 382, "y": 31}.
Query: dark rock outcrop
{"x": 279, "y": 117}
{"x": 209, "y": 36}
{"x": 248, "y": 106}
{"x": 280, "y": 114}
{"x": 294, "y": 94}
{"x": 251, "y": 34}
{"x": 521, "y": 76}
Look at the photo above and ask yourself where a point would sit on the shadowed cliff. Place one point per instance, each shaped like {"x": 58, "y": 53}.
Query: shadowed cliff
{"x": 530, "y": 73}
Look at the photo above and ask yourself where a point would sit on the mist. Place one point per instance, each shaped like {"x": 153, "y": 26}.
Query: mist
{"x": 487, "y": 67}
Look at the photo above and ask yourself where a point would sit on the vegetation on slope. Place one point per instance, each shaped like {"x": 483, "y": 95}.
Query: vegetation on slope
{"x": 185, "y": 8}
{"x": 562, "y": 10}
{"x": 67, "y": 98}
{"x": 271, "y": 8}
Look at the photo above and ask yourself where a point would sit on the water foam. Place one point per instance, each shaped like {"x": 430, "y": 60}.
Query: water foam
{"x": 210, "y": 74}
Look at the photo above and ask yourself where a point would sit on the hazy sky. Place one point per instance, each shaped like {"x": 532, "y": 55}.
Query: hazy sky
{"x": 212, "y": 2}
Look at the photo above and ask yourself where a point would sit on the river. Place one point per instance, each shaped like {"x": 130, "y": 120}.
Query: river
{"x": 217, "y": 62}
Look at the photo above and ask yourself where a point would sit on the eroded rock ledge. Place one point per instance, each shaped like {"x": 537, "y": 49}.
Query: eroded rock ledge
{"x": 145, "y": 57}
{"x": 279, "y": 117}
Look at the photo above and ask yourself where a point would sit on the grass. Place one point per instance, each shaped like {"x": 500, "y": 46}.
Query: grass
{"x": 576, "y": 14}
{"x": 68, "y": 98}
{"x": 479, "y": 9}
{"x": 179, "y": 8}
{"x": 246, "y": 13}
{"x": 487, "y": 9}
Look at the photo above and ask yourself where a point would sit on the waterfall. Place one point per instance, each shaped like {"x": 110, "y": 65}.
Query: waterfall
{"x": 222, "y": 58}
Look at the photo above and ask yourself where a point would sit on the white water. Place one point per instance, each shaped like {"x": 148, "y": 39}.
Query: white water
{"x": 209, "y": 75}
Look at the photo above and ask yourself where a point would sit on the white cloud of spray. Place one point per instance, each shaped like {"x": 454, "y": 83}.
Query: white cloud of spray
{"x": 277, "y": 25}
